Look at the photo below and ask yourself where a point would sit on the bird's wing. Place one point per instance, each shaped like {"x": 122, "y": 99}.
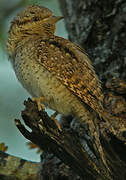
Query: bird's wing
{"x": 70, "y": 64}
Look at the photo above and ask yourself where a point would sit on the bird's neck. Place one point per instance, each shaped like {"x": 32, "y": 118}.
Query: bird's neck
{"x": 18, "y": 36}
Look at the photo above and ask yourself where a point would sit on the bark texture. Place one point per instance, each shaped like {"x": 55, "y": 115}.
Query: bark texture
{"x": 73, "y": 147}
{"x": 100, "y": 28}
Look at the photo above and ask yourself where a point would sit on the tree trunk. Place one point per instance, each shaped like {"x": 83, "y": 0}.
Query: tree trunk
{"x": 100, "y": 28}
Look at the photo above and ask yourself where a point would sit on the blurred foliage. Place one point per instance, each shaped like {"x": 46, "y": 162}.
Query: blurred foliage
{"x": 3, "y": 147}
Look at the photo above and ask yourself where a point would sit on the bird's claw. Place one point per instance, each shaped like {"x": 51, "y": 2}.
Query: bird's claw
{"x": 53, "y": 116}
{"x": 39, "y": 101}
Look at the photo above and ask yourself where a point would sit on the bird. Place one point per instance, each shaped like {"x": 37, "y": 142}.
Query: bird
{"x": 54, "y": 69}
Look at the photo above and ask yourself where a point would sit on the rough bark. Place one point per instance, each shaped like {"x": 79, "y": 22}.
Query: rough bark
{"x": 99, "y": 27}
{"x": 68, "y": 146}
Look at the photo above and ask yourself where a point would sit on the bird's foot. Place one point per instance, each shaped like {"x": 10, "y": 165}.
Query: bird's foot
{"x": 39, "y": 101}
{"x": 34, "y": 146}
{"x": 53, "y": 116}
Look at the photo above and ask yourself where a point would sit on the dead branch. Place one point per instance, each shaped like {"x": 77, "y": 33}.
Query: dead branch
{"x": 66, "y": 145}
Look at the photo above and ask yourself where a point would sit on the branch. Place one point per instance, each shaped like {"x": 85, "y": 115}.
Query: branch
{"x": 66, "y": 145}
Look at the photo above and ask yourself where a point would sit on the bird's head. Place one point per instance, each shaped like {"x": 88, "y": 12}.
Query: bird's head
{"x": 34, "y": 20}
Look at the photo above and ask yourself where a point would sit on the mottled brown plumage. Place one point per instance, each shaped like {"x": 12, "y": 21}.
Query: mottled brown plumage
{"x": 70, "y": 64}
{"x": 54, "y": 68}
{"x": 62, "y": 58}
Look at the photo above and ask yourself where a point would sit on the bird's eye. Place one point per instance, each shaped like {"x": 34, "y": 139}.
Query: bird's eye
{"x": 32, "y": 12}
{"x": 35, "y": 19}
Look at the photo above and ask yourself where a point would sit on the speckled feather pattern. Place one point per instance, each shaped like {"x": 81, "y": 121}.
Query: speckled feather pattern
{"x": 41, "y": 60}
{"x": 40, "y": 82}
{"x": 70, "y": 64}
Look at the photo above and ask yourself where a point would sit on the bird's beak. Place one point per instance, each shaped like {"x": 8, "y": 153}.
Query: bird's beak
{"x": 55, "y": 19}
{"x": 58, "y": 18}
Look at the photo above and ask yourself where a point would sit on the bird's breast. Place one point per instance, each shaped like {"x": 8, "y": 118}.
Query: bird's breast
{"x": 39, "y": 82}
